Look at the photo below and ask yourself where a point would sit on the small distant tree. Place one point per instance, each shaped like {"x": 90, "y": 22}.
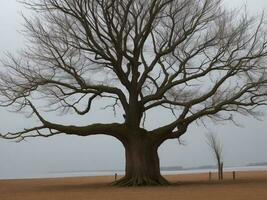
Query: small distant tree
{"x": 216, "y": 148}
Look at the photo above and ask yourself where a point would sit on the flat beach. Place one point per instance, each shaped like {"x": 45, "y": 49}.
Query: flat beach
{"x": 248, "y": 185}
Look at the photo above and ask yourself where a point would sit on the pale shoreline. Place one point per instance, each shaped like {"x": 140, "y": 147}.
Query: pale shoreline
{"x": 248, "y": 185}
{"x": 96, "y": 173}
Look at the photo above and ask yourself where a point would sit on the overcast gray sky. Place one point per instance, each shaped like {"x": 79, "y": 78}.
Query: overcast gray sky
{"x": 66, "y": 153}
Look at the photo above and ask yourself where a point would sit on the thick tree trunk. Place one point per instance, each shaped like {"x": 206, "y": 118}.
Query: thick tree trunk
{"x": 142, "y": 164}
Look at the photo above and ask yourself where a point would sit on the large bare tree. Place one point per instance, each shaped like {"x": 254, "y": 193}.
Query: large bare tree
{"x": 193, "y": 58}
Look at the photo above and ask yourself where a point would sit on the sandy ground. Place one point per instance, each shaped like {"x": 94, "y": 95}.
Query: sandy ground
{"x": 248, "y": 185}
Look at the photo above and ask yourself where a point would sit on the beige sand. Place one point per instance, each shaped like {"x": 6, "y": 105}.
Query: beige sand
{"x": 249, "y": 185}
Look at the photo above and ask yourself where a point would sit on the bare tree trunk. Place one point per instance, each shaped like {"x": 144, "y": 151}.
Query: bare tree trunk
{"x": 142, "y": 164}
{"x": 221, "y": 171}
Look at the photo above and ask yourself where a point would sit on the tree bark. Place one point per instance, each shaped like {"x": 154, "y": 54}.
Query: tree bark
{"x": 219, "y": 169}
{"x": 142, "y": 163}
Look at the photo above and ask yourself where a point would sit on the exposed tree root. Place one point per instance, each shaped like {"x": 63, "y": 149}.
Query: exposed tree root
{"x": 140, "y": 181}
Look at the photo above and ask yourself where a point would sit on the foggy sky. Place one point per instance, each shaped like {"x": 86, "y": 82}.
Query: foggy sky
{"x": 241, "y": 145}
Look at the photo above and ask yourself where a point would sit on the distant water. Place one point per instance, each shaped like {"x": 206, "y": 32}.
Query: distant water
{"x": 225, "y": 169}
{"x": 121, "y": 172}
{"x": 191, "y": 171}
